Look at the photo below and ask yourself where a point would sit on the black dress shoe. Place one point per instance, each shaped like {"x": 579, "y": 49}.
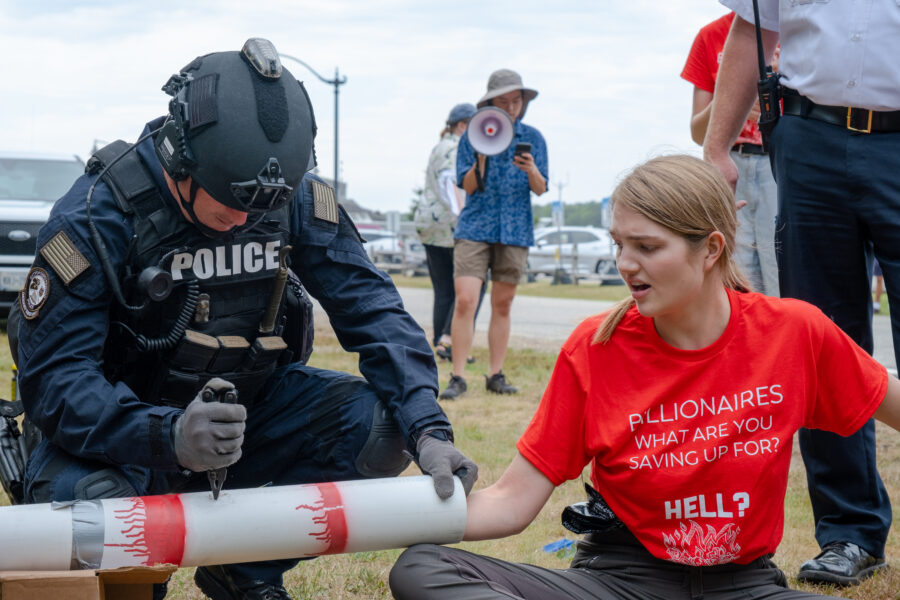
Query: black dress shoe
{"x": 840, "y": 563}
{"x": 216, "y": 583}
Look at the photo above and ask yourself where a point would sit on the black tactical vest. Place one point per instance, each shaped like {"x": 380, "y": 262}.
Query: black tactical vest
{"x": 209, "y": 326}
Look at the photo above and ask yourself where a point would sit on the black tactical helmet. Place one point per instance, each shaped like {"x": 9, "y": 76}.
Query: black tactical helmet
{"x": 241, "y": 126}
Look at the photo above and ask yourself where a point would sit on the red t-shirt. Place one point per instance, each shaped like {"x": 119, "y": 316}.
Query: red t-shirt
{"x": 702, "y": 67}
{"x": 691, "y": 448}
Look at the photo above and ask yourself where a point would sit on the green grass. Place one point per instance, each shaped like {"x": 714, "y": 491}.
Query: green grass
{"x": 585, "y": 290}
{"x": 487, "y": 428}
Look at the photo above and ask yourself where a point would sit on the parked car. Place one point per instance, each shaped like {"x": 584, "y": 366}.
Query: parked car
{"x": 590, "y": 248}
{"x": 394, "y": 254}
{"x": 375, "y": 239}
{"x": 29, "y": 186}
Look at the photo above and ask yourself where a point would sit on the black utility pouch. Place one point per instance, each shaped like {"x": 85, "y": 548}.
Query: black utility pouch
{"x": 592, "y": 516}
{"x": 299, "y": 331}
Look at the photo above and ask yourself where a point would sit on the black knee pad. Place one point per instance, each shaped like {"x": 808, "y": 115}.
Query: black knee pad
{"x": 382, "y": 454}
{"x": 105, "y": 483}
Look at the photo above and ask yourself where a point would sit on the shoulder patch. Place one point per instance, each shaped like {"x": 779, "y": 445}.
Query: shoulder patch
{"x": 324, "y": 203}
{"x": 64, "y": 257}
{"x": 35, "y": 293}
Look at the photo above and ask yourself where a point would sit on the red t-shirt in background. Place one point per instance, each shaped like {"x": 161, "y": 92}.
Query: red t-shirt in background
{"x": 702, "y": 67}
{"x": 691, "y": 448}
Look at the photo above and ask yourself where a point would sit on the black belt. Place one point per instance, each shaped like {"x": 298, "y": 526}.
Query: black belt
{"x": 748, "y": 149}
{"x": 854, "y": 119}
{"x": 630, "y": 549}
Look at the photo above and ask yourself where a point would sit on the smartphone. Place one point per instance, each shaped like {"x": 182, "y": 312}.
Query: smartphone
{"x": 522, "y": 148}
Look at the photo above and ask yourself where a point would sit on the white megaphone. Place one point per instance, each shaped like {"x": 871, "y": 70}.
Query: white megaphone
{"x": 490, "y": 131}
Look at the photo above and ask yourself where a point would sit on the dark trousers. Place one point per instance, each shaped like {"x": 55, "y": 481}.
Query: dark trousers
{"x": 440, "y": 269}
{"x": 598, "y": 572}
{"x": 838, "y": 205}
{"x": 308, "y": 427}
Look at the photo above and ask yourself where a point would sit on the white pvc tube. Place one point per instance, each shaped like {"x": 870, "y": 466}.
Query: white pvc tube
{"x": 242, "y": 525}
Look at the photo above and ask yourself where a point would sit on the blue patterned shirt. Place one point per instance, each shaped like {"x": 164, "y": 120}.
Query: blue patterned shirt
{"x": 502, "y": 212}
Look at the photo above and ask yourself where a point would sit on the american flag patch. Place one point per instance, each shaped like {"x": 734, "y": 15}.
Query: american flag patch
{"x": 64, "y": 257}
{"x": 324, "y": 203}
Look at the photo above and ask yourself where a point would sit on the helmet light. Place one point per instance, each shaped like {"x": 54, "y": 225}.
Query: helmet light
{"x": 262, "y": 56}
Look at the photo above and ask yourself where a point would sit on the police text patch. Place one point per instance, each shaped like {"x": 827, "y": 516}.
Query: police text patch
{"x": 326, "y": 206}
{"x": 249, "y": 259}
{"x": 35, "y": 293}
{"x": 64, "y": 257}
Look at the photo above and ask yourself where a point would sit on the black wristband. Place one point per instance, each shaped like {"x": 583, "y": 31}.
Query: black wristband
{"x": 444, "y": 434}
{"x": 479, "y": 181}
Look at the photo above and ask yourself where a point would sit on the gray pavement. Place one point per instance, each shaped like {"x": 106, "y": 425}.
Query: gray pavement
{"x": 884, "y": 343}
{"x": 545, "y": 323}
{"x": 539, "y": 323}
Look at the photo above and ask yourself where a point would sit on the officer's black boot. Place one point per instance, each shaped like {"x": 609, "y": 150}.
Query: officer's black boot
{"x": 217, "y": 584}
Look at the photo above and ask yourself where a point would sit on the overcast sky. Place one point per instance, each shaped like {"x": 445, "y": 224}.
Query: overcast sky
{"x": 607, "y": 73}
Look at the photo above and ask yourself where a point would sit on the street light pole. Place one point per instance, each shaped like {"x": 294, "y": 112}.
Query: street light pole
{"x": 336, "y": 82}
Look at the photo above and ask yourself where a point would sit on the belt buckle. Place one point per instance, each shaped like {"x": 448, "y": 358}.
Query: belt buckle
{"x": 868, "y": 128}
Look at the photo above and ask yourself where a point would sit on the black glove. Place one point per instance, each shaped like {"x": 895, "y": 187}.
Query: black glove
{"x": 209, "y": 434}
{"x": 441, "y": 460}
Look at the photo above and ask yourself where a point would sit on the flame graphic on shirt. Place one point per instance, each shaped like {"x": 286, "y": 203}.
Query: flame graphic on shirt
{"x": 328, "y": 514}
{"x": 692, "y": 546}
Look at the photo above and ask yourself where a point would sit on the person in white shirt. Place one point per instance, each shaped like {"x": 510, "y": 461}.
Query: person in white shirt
{"x": 435, "y": 219}
{"x": 835, "y": 155}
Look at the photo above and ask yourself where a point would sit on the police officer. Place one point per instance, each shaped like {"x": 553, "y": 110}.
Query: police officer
{"x": 835, "y": 154}
{"x": 164, "y": 286}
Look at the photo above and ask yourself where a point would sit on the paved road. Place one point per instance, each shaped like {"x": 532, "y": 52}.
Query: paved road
{"x": 545, "y": 323}
{"x": 540, "y": 323}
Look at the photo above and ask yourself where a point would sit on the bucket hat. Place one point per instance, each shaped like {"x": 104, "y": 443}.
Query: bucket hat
{"x": 461, "y": 112}
{"x": 503, "y": 81}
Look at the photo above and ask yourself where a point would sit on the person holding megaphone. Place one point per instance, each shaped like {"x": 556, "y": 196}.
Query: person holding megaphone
{"x": 500, "y": 161}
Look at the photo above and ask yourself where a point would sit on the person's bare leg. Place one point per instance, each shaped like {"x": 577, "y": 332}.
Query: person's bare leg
{"x": 502, "y": 295}
{"x": 462, "y": 330}
{"x": 879, "y": 291}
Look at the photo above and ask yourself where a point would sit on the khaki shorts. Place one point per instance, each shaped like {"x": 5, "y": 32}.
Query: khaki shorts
{"x": 472, "y": 259}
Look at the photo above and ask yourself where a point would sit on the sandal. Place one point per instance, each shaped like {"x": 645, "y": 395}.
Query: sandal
{"x": 446, "y": 352}
{"x": 443, "y": 351}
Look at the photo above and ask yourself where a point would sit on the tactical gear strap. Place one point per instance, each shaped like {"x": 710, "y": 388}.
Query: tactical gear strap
{"x": 188, "y": 206}
{"x": 128, "y": 179}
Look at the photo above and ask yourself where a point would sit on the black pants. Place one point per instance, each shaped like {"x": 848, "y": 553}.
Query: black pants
{"x": 440, "y": 269}
{"x": 838, "y": 205}
{"x": 598, "y": 572}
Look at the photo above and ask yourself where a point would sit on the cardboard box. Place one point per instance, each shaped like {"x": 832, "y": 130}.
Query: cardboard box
{"x": 125, "y": 583}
